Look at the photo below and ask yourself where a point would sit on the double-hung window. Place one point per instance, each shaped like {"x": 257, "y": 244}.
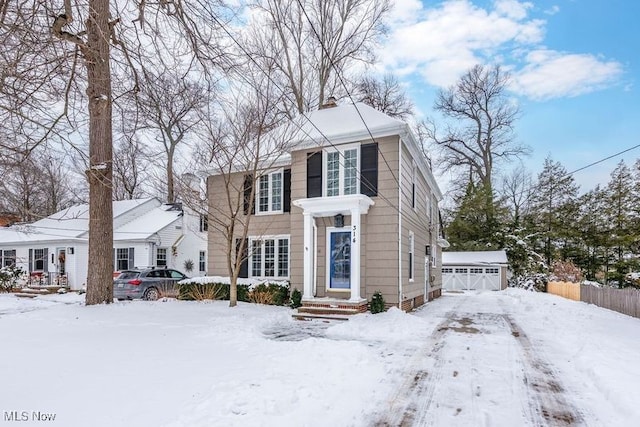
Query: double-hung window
{"x": 341, "y": 172}
{"x": 161, "y": 257}
{"x": 202, "y": 261}
{"x": 8, "y": 258}
{"x": 269, "y": 257}
{"x": 270, "y": 193}
{"x": 38, "y": 259}
{"x": 124, "y": 259}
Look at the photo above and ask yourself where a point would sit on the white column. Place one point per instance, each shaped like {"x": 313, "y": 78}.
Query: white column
{"x": 355, "y": 255}
{"x": 308, "y": 257}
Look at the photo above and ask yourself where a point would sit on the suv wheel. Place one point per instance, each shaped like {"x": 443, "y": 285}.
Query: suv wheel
{"x": 151, "y": 294}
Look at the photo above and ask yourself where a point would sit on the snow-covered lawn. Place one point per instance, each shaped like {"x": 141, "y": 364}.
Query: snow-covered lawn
{"x": 511, "y": 358}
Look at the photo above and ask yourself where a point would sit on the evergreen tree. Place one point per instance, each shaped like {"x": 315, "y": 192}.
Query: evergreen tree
{"x": 477, "y": 221}
{"x": 554, "y": 210}
{"x": 619, "y": 210}
{"x": 594, "y": 233}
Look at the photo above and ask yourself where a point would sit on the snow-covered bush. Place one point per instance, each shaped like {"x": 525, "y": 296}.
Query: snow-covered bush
{"x": 270, "y": 294}
{"x": 531, "y": 282}
{"x": 9, "y": 277}
{"x": 198, "y": 291}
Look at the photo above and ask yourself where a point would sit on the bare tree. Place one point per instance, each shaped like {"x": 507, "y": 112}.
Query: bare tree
{"x": 243, "y": 146}
{"x": 129, "y": 162}
{"x": 482, "y": 133}
{"x": 312, "y": 43}
{"x": 517, "y": 189}
{"x": 37, "y": 186}
{"x": 169, "y": 106}
{"x": 386, "y": 95}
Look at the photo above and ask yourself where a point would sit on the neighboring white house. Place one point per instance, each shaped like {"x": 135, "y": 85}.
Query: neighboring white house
{"x": 146, "y": 233}
{"x": 479, "y": 270}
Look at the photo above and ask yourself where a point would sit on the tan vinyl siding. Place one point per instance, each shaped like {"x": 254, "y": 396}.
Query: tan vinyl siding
{"x": 259, "y": 225}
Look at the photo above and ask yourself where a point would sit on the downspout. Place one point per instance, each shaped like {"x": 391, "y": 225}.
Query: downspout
{"x": 400, "y": 223}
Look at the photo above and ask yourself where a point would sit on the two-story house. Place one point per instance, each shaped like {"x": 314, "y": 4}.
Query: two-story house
{"x": 351, "y": 210}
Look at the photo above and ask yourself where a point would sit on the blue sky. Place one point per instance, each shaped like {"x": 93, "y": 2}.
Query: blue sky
{"x": 574, "y": 66}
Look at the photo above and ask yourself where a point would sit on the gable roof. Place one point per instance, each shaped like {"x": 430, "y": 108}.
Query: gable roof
{"x": 343, "y": 123}
{"x": 72, "y": 224}
{"x": 474, "y": 258}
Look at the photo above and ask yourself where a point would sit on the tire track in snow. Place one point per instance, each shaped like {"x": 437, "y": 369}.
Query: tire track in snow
{"x": 416, "y": 393}
{"x": 544, "y": 400}
{"x": 548, "y": 404}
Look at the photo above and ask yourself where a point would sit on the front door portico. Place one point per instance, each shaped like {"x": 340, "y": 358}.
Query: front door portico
{"x": 343, "y": 243}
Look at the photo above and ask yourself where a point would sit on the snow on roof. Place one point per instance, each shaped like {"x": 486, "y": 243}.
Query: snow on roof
{"x": 474, "y": 257}
{"x": 343, "y": 123}
{"x": 147, "y": 224}
{"x": 72, "y": 224}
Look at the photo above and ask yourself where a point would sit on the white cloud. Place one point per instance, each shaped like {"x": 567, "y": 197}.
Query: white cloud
{"x": 552, "y": 10}
{"x": 550, "y": 74}
{"x": 442, "y": 43}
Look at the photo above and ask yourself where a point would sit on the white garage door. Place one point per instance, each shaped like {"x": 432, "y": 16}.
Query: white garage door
{"x": 471, "y": 278}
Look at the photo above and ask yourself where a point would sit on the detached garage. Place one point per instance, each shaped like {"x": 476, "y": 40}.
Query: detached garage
{"x": 479, "y": 270}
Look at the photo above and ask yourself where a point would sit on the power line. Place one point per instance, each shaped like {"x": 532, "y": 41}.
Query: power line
{"x": 248, "y": 55}
{"x": 600, "y": 161}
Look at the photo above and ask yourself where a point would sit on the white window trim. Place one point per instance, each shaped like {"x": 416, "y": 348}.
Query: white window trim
{"x": 270, "y": 210}
{"x": 325, "y": 158}
{"x": 166, "y": 257}
{"x": 275, "y": 238}
{"x": 412, "y": 256}
{"x": 202, "y": 261}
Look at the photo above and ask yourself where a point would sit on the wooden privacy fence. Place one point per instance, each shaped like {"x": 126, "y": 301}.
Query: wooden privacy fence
{"x": 625, "y": 301}
{"x": 565, "y": 289}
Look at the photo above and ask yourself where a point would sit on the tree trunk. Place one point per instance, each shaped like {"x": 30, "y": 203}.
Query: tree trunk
{"x": 100, "y": 274}
{"x": 171, "y": 196}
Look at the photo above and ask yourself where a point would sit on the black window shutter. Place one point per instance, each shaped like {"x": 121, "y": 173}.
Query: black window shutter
{"x": 244, "y": 264}
{"x": 314, "y": 174}
{"x": 30, "y": 260}
{"x": 45, "y": 261}
{"x": 131, "y": 258}
{"x": 248, "y": 186}
{"x": 369, "y": 169}
{"x": 286, "y": 189}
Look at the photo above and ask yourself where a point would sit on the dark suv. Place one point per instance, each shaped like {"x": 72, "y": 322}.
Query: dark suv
{"x": 149, "y": 284}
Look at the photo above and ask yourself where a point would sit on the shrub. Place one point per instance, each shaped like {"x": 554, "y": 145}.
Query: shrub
{"x": 203, "y": 291}
{"x": 566, "y": 271}
{"x": 530, "y": 282}
{"x": 9, "y": 277}
{"x": 193, "y": 291}
{"x": 296, "y": 299}
{"x": 377, "y": 303}
{"x": 271, "y": 294}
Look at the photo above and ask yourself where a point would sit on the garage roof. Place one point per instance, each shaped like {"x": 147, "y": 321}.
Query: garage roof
{"x": 474, "y": 257}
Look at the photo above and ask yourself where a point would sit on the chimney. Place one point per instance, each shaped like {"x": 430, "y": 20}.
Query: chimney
{"x": 331, "y": 102}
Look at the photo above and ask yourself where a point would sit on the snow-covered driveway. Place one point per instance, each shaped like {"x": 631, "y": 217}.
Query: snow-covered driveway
{"x": 480, "y": 367}
{"x": 508, "y": 358}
